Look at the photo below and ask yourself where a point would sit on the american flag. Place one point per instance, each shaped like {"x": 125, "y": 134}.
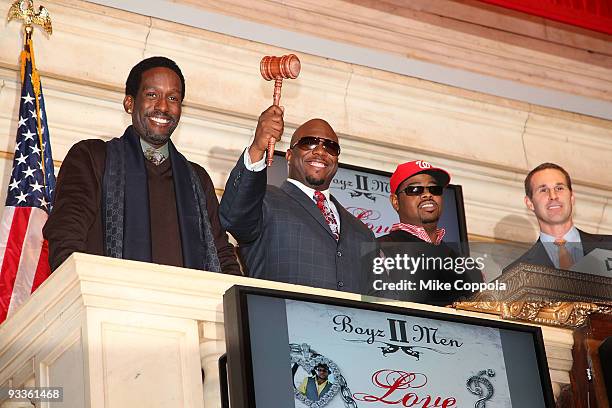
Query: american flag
{"x": 23, "y": 251}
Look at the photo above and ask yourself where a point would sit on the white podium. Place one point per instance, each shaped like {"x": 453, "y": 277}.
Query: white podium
{"x": 119, "y": 334}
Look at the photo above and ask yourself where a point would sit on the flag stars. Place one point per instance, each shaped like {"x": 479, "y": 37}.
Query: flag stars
{"x": 22, "y": 159}
{"x": 22, "y": 197}
{"x": 35, "y": 150}
{"x": 28, "y": 99}
{"x": 28, "y": 135}
{"x": 22, "y": 122}
{"x": 29, "y": 172}
{"x": 17, "y": 146}
{"x": 36, "y": 187}
{"x": 32, "y": 115}
{"x": 43, "y": 202}
{"x": 14, "y": 184}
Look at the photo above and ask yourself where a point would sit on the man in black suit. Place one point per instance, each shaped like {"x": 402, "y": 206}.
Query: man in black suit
{"x": 416, "y": 195}
{"x": 549, "y": 194}
{"x": 297, "y": 233}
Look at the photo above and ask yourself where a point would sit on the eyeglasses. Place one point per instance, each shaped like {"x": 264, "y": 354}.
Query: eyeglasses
{"x": 311, "y": 143}
{"x": 418, "y": 190}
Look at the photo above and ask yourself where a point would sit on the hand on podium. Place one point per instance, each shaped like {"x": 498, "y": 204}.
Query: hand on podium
{"x": 270, "y": 126}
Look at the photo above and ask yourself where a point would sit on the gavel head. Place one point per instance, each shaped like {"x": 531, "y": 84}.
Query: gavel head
{"x": 285, "y": 67}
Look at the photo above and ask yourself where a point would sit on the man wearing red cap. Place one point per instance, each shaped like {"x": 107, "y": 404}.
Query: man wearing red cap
{"x": 416, "y": 195}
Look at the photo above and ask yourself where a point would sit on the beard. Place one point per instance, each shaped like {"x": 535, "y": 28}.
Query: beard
{"x": 315, "y": 181}
{"x": 429, "y": 219}
{"x": 157, "y": 138}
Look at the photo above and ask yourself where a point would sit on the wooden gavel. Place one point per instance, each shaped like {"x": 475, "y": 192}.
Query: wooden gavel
{"x": 277, "y": 69}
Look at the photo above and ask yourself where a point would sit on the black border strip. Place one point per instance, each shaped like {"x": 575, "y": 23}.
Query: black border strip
{"x": 238, "y": 342}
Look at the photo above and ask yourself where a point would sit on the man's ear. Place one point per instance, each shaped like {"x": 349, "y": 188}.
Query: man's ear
{"x": 288, "y": 155}
{"x": 529, "y": 204}
{"x": 394, "y": 202}
{"x": 128, "y": 104}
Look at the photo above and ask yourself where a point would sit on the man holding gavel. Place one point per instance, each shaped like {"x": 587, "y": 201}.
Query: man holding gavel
{"x": 297, "y": 233}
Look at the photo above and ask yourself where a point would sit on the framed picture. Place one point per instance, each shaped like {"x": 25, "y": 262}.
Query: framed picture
{"x": 291, "y": 350}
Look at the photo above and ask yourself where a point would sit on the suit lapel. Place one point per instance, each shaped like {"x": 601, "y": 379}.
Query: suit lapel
{"x": 538, "y": 255}
{"x": 346, "y": 218}
{"x": 589, "y": 241}
{"x": 308, "y": 204}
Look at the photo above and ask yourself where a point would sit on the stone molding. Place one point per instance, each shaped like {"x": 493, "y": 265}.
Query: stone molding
{"x": 466, "y": 35}
{"x": 487, "y": 143}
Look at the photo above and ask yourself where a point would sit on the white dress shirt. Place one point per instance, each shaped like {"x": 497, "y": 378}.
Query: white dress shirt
{"x": 261, "y": 165}
{"x": 573, "y": 245}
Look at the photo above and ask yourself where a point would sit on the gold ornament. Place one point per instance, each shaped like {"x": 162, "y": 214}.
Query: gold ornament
{"x": 24, "y": 10}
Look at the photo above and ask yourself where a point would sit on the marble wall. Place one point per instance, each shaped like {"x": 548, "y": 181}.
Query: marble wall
{"x": 487, "y": 142}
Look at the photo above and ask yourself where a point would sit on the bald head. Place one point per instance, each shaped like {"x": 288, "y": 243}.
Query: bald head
{"x": 314, "y": 127}
{"x": 313, "y": 167}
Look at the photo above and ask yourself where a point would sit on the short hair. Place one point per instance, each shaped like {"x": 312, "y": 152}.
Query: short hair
{"x": 132, "y": 84}
{"x": 544, "y": 166}
{"x": 322, "y": 365}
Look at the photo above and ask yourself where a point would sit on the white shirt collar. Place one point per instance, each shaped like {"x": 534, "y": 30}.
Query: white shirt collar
{"x": 163, "y": 149}
{"x": 570, "y": 236}
{"x": 307, "y": 190}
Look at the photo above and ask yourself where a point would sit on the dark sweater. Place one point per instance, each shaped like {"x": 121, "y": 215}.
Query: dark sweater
{"x": 75, "y": 224}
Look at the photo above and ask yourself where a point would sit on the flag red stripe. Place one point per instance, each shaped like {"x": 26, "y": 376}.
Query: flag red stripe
{"x": 12, "y": 257}
{"x": 30, "y": 259}
{"x": 43, "y": 270}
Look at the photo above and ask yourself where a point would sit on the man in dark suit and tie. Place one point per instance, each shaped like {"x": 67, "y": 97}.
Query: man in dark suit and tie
{"x": 297, "y": 233}
{"x": 549, "y": 194}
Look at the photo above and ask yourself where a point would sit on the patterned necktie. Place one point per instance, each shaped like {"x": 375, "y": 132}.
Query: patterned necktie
{"x": 327, "y": 213}
{"x": 565, "y": 258}
{"x": 154, "y": 156}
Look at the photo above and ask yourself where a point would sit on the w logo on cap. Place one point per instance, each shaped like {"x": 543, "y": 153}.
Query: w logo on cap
{"x": 423, "y": 164}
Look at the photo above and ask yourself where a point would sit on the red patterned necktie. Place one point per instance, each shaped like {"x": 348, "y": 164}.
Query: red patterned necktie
{"x": 327, "y": 213}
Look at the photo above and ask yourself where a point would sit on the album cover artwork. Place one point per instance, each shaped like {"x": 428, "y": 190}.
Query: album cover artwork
{"x": 343, "y": 357}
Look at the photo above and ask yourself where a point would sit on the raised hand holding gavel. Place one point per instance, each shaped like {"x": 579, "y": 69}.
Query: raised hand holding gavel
{"x": 277, "y": 69}
{"x": 269, "y": 129}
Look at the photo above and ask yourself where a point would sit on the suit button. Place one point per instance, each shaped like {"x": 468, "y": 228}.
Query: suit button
{"x": 340, "y": 284}
{"x": 338, "y": 254}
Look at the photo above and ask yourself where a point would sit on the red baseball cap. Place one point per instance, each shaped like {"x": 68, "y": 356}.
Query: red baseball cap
{"x": 411, "y": 168}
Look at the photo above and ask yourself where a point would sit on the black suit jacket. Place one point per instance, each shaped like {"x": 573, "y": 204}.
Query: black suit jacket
{"x": 403, "y": 243}
{"x": 537, "y": 254}
{"x": 284, "y": 237}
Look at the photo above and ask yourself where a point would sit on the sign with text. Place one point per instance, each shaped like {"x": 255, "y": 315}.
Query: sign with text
{"x": 377, "y": 359}
{"x": 299, "y": 350}
{"x": 366, "y": 196}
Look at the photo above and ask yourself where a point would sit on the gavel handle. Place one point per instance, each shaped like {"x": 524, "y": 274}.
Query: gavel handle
{"x": 278, "y": 83}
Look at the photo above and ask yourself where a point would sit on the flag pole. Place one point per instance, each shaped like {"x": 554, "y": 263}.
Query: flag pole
{"x": 24, "y": 10}
{"x": 24, "y": 252}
